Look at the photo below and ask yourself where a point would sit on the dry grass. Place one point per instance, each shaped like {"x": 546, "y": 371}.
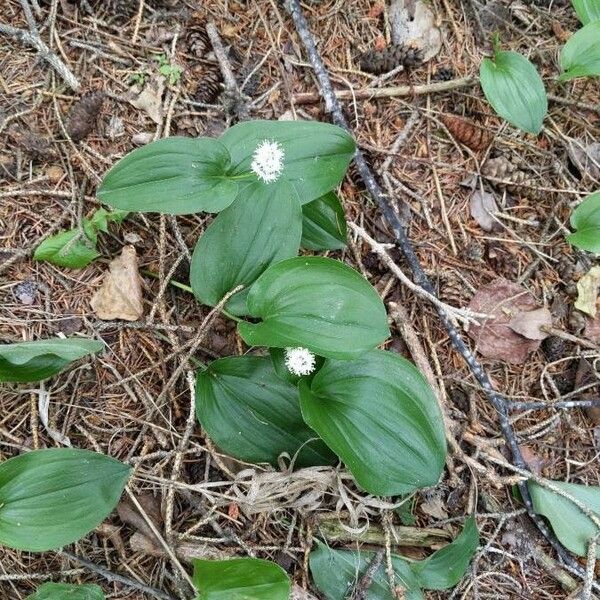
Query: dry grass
{"x": 119, "y": 402}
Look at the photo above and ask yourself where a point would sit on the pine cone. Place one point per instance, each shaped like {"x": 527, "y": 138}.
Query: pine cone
{"x": 443, "y": 74}
{"x": 382, "y": 61}
{"x": 209, "y": 85}
{"x": 516, "y": 181}
{"x": 83, "y": 115}
{"x": 498, "y": 168}
{"x": 468, "y": 133}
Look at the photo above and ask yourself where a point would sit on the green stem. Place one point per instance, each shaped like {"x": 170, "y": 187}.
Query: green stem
{"x": 187, "y": 288}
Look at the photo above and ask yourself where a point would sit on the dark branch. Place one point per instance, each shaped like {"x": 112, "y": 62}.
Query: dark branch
{"x": 332, "y": 107}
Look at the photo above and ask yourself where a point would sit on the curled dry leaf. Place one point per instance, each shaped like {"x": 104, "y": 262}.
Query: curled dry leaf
{"x": 120, "y": 296}
{"x": 150, "y": 98}
{"x": 483, "y": 206}
{"x": 586, "y": 157}
{"x": 529, "y": 324}
{"x": 587, "y": 292}
{"x": 502, "y": 300}
{"x": 413, "y": 25}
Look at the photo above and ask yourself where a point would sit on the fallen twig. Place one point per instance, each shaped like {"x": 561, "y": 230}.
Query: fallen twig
{"x": 116, "y": 577}
{"x": 360, "y": 589}
{"x": 395, "y": 91}
{"x": 32, "y": 38}
{"x": 333, "y": 107}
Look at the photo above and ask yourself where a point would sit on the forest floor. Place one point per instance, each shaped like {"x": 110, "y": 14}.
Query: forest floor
{"x": 127, "y": 404}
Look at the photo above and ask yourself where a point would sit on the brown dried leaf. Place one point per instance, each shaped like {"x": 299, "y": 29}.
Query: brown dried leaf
{"x": 587, "y": 292}
{"x": 468, "y": 133}
{"x": 150, "y": 98}
{"x": 529, "y": 324}
{"x": 128, "y": 513}
{"x": 413, "y": 25}
{"x": 120, "y": 296}
{"x": 83, "y": 115}
{"x": 483, "y": 206}
{"x": 586, "y": 157}
{"x": 592, "y": 330}
{"x": 586, "y": 375}
{"x": 502, "y": 300}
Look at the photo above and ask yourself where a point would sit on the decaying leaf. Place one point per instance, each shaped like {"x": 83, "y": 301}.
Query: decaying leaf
{"x": 592, "y": 330}
{"x": 150, "y": 98}
{"x": 129, "y": 513}
{"x": 585, "y": 376}
{"x": 483, "y": 206}
{"x": 413, "y": 25}
{"x": 83, "y": 115}
{"x": 586, "y": 157}
{"x": 120, "y": 296}
{"x": 502, "y": 300}
{"x": 434, "y": 505}
{"x": 529, "y": 324}
{"x": 587, "y": 292}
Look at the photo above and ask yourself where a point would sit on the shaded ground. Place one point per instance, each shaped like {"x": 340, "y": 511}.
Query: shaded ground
{"x": 126, "y": 402}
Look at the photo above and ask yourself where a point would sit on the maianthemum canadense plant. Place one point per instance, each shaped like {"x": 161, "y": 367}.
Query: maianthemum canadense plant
{"x": 315, "y": 388}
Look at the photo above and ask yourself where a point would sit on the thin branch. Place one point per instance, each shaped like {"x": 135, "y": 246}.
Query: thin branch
{"x": 333, "y": 107}
{"x": 359, "y": 591}
{"x": 116, "y": 577}
{"x": 566, "y": 404}
{"x": 29, "y": 38}
{"x": 395, "y": 91}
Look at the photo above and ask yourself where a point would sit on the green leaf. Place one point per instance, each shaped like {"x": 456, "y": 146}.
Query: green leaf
{"x": 35, "y": 361}
{"x": 323, "y": 224}
{"x": 73, "y": 250}
{"x": 571, "y": 526}
{"x": 586, "y": 220}
{"x": 515, "y": 90}
{"x": 49, "y": 498}
{"x": 176, "y": 175}
{"x": 68, "y": 249}
{"x": 447, "y": 566}
{"x": 67, "y": 591}
{"x": 379, "y": 415}
{"x": 317, "y": 303}
{"x": 253, "y": 415}
{"x": 580, "y": 56}
{"x": 240, "y": 579}
{"x": 262, "y": 226}
{"x": 336, "y": 571}
{"x": 587, "y": 10}
{"x": 316, "y": 155}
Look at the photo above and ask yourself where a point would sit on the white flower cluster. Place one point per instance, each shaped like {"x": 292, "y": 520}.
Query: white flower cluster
{"x": 267, "y": 161}
{"x": 299, "y": 361}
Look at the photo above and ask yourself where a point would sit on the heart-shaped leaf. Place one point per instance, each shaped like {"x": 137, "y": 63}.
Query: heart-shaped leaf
{"x": 323, "y": 224}
{"x": 315, "y": 155}
{"x": 317, "y": 303}
{"x": 35, "y": 361}
{"x": 240, "y": 579}
{"x": 587, "y": 10}
{"x": 573, "y": 528}
{"x": 53, "y": 497}
{"x": 254, "y": 415}
{"x": 515, "y": 90}
{"x": 586, "y": 220}
{"x": 580, "y": 56}
{"x": 176, "y": 175}
{"x": 262, "y": 226}
{"x": 67, "y": 591}
{"x": 335, "y": 572}
{"x": 380, "y": 416}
